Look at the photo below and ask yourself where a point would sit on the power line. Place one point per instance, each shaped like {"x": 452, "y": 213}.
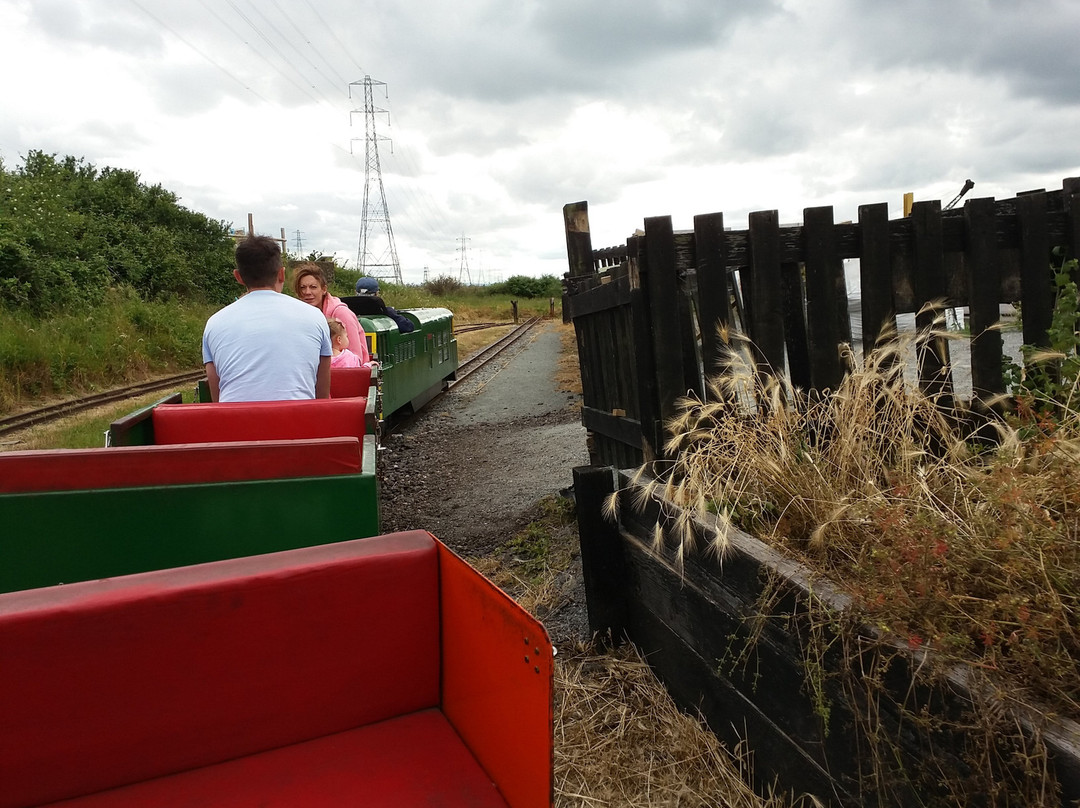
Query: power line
{"x": 191, "y": 45}
{"x": 334, "y": 36}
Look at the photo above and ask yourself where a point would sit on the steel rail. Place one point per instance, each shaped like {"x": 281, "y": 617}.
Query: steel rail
{"x": 464, "y": 329}
{"x": 53, "y": 412}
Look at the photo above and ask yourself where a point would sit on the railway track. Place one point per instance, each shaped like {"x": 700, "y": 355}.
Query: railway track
{"x": 478, "y": 360}
{"x": 464, "y": 329}
{"x": 53, "y": 412}
{"x": 482, "y": 357}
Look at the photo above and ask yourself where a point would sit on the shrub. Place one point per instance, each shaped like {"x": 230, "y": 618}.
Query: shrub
{"x": 71, "y": 231}
{"x": 525, "y": 286}
{"x": 442, "y": 286}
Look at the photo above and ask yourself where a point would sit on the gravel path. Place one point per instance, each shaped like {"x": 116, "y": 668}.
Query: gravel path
{"x": 474, "y": 465}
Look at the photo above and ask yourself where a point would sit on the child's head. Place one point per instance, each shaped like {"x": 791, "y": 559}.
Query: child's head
{"x": 338, "y": 338}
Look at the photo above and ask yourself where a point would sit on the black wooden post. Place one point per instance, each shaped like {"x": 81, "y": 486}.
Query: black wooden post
{"x": 984, "y": 277}
{"x": 766, "y": 305}
{"x": 652, "y": 428}
{"x": 602, "y": 561}
{"x": 1070, "y": 195}
{"x": 928, "y": 276}
{"x": 714, "y": 295}
{"x": 578, "y": 238}
{"x": 875, "y": 274}
{"x": 660, "y": 284}
{"x": 826, "y": 299}
{"x": 1036, "y": 282}
{"x": 792, "y": 295}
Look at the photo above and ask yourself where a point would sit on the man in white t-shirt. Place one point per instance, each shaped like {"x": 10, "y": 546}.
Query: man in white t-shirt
{"x": 266, "y": 346}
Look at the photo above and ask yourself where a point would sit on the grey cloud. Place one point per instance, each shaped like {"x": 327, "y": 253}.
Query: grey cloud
{"x": 615, "y": 32}
{"x": 110, "y": 26}
{"x": 1031, "y": 47}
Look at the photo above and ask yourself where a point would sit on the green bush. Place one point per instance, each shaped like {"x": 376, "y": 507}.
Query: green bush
{"x": 528, "y": 287}
{"x": 442, "y": 286}
{"x": 70, "y": 232}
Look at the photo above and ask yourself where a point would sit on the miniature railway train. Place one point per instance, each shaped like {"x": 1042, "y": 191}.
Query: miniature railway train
{"x": 217, "y": 544}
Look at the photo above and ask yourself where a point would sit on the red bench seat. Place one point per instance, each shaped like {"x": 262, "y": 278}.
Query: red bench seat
{"x": 350, "y": 382}
{"x": 383, "y": 671}
{"x": 259, "y": 420}
{"x": 399, "y": 762}
{"x": 176, "y": 464}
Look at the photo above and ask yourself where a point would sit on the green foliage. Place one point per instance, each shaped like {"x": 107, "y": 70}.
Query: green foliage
{"x": 69, "y": 232}
{"x": 1050, "y": 374}
{"x": 524, "y": 286}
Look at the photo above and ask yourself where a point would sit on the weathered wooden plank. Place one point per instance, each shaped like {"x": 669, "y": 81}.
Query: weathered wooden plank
{"x": 928, "y": 274}
{"x": 796, "y": 340}
{"x": 600, "y": 298}
{"x": 875, "y": 274}
{"x": 647, "y": 388}
{"x": 602, "y": 561}
{"x": 618, "y": 427}
{"x": 578, "y": 238}
{"x": 660, "y": 283}
{"x": 826, "y": 299}
{"x": 714, "y": 295}
{"x": 689, "y": 333}
{"x": 984, "y": 277}
{"x": 1035, "y": 278}
{"x": 696, "y": 686}
{"x": 766, "y": 315}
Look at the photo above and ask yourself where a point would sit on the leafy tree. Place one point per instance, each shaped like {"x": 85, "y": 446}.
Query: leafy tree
{"x": 69, "y": 232}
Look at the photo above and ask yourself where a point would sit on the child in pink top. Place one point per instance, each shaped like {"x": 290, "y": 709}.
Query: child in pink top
{"x": 339, "y": 340}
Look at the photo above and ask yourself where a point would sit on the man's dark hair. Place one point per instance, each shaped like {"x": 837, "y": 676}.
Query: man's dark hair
{"x": 258, "y": 259}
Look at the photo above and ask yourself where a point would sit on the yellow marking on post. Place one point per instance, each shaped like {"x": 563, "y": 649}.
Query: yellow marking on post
{"x": 909, "y": 201}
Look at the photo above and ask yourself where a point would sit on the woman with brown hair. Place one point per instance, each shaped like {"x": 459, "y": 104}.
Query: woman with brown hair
{"x": 309, "y": 283}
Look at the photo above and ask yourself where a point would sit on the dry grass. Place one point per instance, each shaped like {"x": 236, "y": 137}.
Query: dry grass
{"x": 621, "y": 741}
{"x": 619, "y": 738}
{"x": 969, "y": 549}
{"x": 568, "y": 372}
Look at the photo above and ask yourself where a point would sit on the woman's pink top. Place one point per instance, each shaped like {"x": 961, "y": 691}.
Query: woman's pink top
{"x": 334, "y": 309}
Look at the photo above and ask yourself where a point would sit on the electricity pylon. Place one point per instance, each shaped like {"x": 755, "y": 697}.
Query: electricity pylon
{"x": 464, "y": 276}
{"x": 376, "y": 254}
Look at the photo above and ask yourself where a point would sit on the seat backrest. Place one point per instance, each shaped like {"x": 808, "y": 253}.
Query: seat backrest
{"x": 259, "y": 420}
{"x": 176, "y": 464}
{"x": 117, "y": 681}
{"x": 350, "y": 382}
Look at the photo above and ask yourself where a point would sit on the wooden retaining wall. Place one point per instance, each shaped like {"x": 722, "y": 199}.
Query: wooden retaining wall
{"x": 692, "y": 621}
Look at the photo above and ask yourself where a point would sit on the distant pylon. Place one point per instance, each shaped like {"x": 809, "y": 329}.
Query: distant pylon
{"x": 464, "y": 276}
{"x": 376, "y": 254}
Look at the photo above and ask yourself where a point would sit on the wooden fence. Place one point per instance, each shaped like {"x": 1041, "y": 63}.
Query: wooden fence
{"x": 646, "y": 313}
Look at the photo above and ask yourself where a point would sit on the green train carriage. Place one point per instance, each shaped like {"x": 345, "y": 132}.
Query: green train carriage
{"x": 415, "y": 366}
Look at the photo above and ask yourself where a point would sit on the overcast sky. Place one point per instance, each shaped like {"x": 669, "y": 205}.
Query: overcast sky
{"x": 502, "y": 111}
